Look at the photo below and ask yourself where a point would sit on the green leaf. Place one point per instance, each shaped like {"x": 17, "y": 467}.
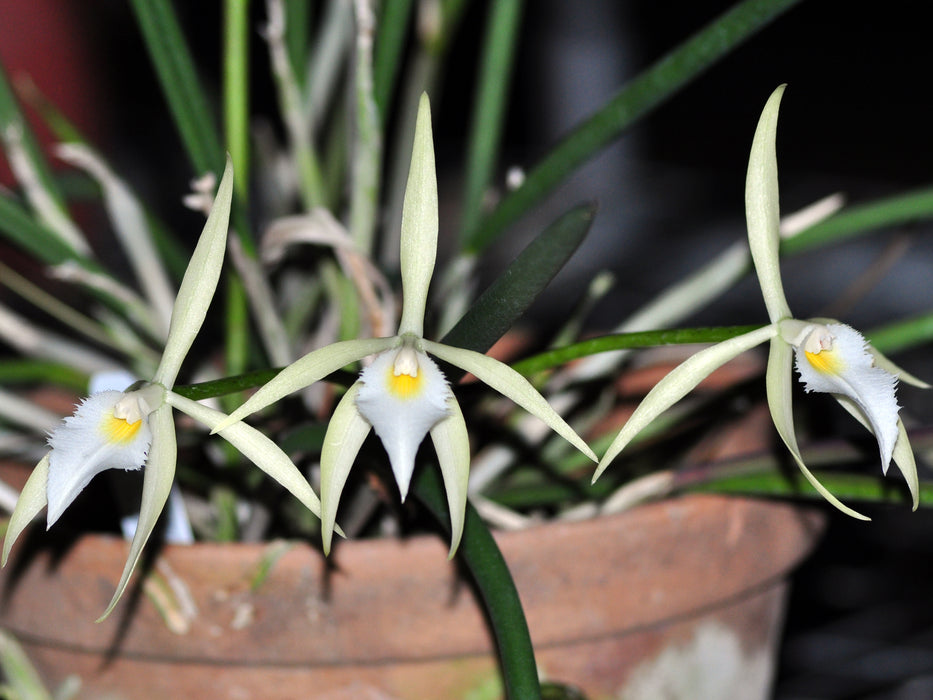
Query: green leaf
{"x": 178, "y": 77}
{"x": 30, "y": 235}
{"x": 901, "y": 335}
{"x": 635, "y": 100}
{"x": 390, "y": 42}
{"x": 506, "y": 299}
{"x": 863, "y": 218}
{"x": 10, "y": 114}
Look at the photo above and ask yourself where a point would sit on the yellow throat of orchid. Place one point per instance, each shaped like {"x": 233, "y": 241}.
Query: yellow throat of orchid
{"x": 404, "y": 380}
{"x": 121, "y": 425}
{"x": 818, "y": 349}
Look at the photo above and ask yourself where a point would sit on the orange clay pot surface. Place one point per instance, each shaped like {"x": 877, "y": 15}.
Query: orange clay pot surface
{"x": 680, "y": 598}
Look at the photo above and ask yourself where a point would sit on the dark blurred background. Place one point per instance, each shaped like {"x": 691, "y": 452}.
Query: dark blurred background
{"x": 855, "y": 118}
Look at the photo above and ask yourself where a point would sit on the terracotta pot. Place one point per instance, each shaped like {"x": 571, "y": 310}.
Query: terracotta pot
{"x": 687, "y": 593}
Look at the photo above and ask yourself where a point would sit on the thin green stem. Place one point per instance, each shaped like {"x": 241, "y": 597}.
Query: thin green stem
{"x": 236, "y": 89}
{"x": 638, "y": 98}
{"x": 626, "y": 341}
{"x": 481, "y": 555}
{"x": 489, "y": 106}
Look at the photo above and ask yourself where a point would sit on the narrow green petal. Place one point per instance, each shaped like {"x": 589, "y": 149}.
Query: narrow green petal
{"x": 511, "y": 384}
{"x": 779, "y": 385}
{"x": 345, "y": 435}
{"x": 678, "y": 383}
{"x": 256, "y": 447}
{"x": 31, "y": 501}
{"x": 157, "y": 482}
{"x": 902, "y": 455}
{"x": 452, "y": 445}
{"x": 762, "y": 209}
{"x": 198, "y": 285}
{"x": 306, "y": 370}
{"x": 419, "y": 225}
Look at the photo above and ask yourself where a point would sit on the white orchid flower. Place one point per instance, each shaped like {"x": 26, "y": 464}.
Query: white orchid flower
{"x": 135, "y": 428}
{"x": 402, "y": 394}
{"x": 830, "y": 356}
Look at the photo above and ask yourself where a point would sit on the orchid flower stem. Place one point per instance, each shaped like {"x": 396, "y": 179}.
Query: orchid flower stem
{"x": 236, "y": 89}
{"x": 242, "y": 382}
{"x": 623, "y": 341}
{"x": 481, "y": 556}
{"x": 390, "y": 43}
{"x": 490, "y": 106}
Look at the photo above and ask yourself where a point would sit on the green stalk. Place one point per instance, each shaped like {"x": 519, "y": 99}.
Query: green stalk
{"x": 626, "y": 341}
{"x": 367, "y": 146}
{"x": 489, "y": 107}
{"x": 297, "y": 36}
{"x": 236, "y": 89}
{"x": 480, "y": 554}
{"x": 638, "y": 98}
{"x": 390, "y": 41}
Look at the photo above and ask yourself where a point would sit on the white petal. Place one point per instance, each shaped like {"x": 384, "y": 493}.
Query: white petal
{"x": 677, "y": 384}
{"x": 779, "y": 384}
{"x": 402, "y": 408}
{"x": 89, "y": 442}
{"x": 762, "y": 209}
{"x": 847, "y": 368}
{"x": 342, "y": 442}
